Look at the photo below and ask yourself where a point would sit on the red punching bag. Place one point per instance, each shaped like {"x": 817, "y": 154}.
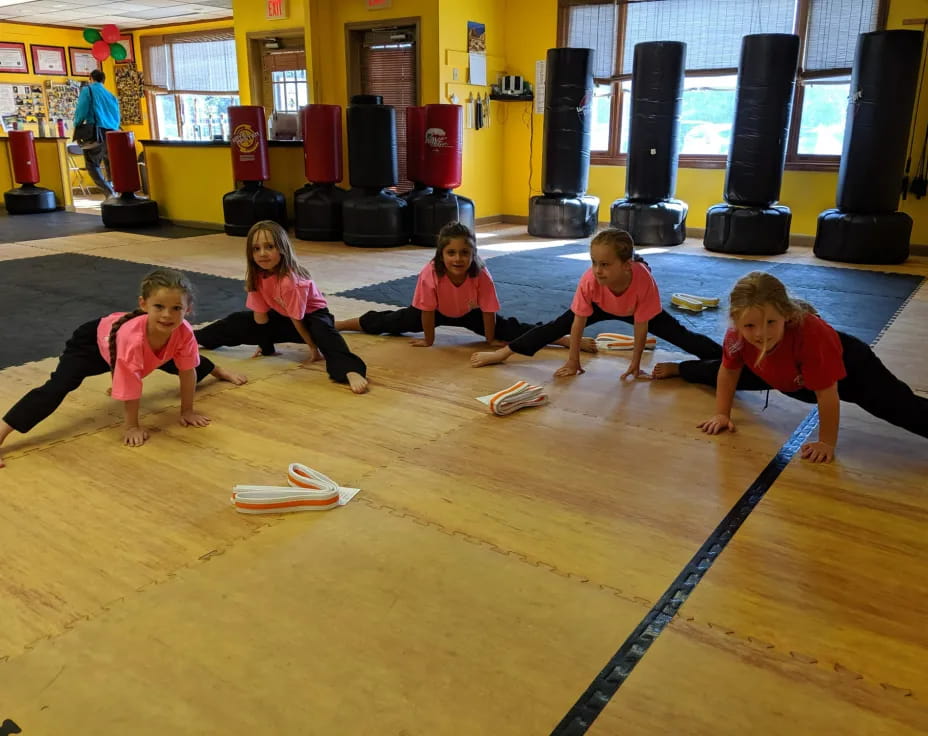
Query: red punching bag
{"x": 249, "y": 143}
{"x": 22, "y": 151}
{"x": 120, "y": 145}
{"x": 322, "y": 143}
{"x": 415, "y": 143}
{"x": 443, "y": 138}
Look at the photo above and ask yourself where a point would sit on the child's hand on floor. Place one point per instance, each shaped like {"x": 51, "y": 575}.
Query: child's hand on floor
{"x": 570, "y": 368}
{"x": 818, "y": 452}
{"x": 420, "y": 343}
{"x": 260, "y": 351}
{"x": 135, "y": 436}
{"x": 192, "y": 419}
{"x": 718, "y": 423}
{"x": 635, "y": 372}
{"x": 314, "y": 357}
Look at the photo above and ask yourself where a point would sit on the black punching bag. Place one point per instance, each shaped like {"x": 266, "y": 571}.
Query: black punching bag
{"x": 648, "y": 211}
{"x": 865, "y": 227}
{"x": 750, "y": 222}
{"x": 565, "y": 210}
{"x": 565, "y": 167}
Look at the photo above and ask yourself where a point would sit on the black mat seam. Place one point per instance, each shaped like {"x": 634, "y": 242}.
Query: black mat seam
{"x": 605, "y": 685}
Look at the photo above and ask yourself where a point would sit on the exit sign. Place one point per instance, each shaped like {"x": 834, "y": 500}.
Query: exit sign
{"x": 378, "y": 4}
{"x": 276, "y": 9}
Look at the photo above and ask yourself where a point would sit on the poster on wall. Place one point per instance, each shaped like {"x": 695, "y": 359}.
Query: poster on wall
{"x": 48, "y": 60}
{"x": 13, "y": 58}
{"x": 476, "y": 37}
{"x": 82, "y": 61}
{"x": 129, "y": 91}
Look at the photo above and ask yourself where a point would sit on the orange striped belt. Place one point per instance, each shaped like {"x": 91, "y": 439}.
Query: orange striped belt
{"x": 518, "y": 396}
{"x": 308, "y": 490}
{"x": 618, "y": 341}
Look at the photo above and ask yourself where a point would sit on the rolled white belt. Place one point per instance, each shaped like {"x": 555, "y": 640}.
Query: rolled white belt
{"x": 693, "y": 302}
{"x": 518, "y": 396}
{"x": 618, "y": 341}
{"x": 309, "y": 490}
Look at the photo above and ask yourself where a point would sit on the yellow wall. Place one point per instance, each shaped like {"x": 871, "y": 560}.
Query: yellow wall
{"x": 482, "y": 163}
{"x": 249, "y": 16}
{"x": 805, "y": 193}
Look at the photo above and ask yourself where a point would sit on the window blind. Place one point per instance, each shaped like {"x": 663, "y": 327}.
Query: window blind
{"x": 594, "y": 27}
{"x": 711, "y": 29}
{"x": 194, "y": 62}
{"x": 834, "y": 25}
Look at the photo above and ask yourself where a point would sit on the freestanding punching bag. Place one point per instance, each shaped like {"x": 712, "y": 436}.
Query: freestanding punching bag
{"x": 565, "y": 210}
{"x": 415, "y": 153}
{"x": 865, "y": 227}
{"x": 253, "y": 202}
{"x": 649, "y": 212}
{"x": 371, "y": 215}
{"x": 750, "y": 221}
{"x": 124, "y": 209}
{"x": 444, "y": 136}
{"x": 317, "y": 207}
{"x": 28, "y": 198}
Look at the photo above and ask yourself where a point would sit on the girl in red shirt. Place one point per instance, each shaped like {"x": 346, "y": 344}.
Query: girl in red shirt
{"x": 129, "y": 345}
{"x": 783, "y": 344}
{"x": 284, "y": 305}
{"x": 618, "y": 286}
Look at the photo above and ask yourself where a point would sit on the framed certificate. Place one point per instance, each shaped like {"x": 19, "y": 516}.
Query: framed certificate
{"x": 49, "y": 60}
{"x": 82, "y": 62}
{"x": 126, "y": 42}
{"x": 13, "y": 58}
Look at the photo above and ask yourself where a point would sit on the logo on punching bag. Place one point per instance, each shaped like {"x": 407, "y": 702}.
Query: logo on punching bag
{"x": 245, "y": 138}
{"x": 436, "y": 138}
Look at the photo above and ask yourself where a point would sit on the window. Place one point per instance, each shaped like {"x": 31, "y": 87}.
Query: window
{"x": 289, "y": 90}
{"x": 192, "y": 80}
{"x": 712, "y": 30}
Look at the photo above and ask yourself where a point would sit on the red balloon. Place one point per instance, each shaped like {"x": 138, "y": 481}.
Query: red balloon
{"x": 110, "y": 33}
{"x": 100, "y": 50}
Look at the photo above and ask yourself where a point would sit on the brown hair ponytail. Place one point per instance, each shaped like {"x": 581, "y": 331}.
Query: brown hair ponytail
{"x": 114, "y": 329}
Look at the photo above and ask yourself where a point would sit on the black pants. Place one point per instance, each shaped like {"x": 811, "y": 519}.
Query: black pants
{"x": 93, "y": 158}
{"x": 868, "y": 383}
{"x": 81, "y": 358}
{"x": 409, "y": 319}
{"x": 240, "y": 328}
{"x": 664, "y": 326}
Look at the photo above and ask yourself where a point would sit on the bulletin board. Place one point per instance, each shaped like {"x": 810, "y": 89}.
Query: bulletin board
{"x": 25, "y": 101}
{"x": 62, "y": 98}
{"x": 129, "y": 91}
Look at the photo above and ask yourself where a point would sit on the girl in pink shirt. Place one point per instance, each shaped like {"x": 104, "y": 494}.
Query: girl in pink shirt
{"x": 779, "y": 342}
{"x": 454, "y": 288}
{"x": 617, "y": 286}
{"x": 284, "y": 305}
{"x": 130, "y": 346}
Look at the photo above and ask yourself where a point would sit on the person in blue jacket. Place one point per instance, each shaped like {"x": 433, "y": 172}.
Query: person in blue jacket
{"x": 96, "y": 104}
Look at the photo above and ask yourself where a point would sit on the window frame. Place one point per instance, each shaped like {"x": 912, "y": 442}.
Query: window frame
{"x": 794, "y": 160}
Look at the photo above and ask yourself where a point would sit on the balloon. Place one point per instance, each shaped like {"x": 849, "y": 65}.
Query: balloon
{"x": 110, "y": 33}
{"x": 118, "y": 51}
{"x": 91, "y": 35}
{"x": 100, "y": 50}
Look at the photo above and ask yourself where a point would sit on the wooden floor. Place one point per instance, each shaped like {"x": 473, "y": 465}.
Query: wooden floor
{"x": 489, "y": 568}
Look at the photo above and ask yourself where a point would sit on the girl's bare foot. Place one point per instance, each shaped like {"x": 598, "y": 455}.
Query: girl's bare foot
{"x": 587, "y": 344}
{"x": 358, "y": 383}
{"x": 5, "y": 430}
{"x": 235, "y": 378}
{"x": 490, "y": 357}
{"x": 353, "y": 324}
{"x": 666, "y": 370}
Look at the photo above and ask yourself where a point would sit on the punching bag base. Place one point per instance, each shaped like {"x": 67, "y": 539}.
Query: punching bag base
{"x": 430, "y": 213}
{"x": 127, "y": 211}
{"x": 418, "y": 190}
{"x": 651, "y": 223}
{"x": 563, "y": 217}
{"x": 852, "y": 237}
{"x": 758, "y": 231}
{"x": 252, "y": 203}
{"x": 29, "y": 200}
{"x": 373, "y": 219}
{"x": 317, "y": 212}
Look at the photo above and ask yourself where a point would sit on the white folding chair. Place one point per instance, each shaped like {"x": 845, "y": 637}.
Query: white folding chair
{"x": 75, "y": 170}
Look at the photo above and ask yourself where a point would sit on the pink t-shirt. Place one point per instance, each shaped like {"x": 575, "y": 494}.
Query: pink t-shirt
{"x": 135, "y": 358}
{"x": 809, "y": 356}
{"x": 437, "y": 293}
{"x": 641, "y": 298}
{"x": 291, "y": 296}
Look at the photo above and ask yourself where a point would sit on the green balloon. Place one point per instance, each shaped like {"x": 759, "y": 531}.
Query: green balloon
{"x": 91, "y": 35}
{"x": 118, "y": 51}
